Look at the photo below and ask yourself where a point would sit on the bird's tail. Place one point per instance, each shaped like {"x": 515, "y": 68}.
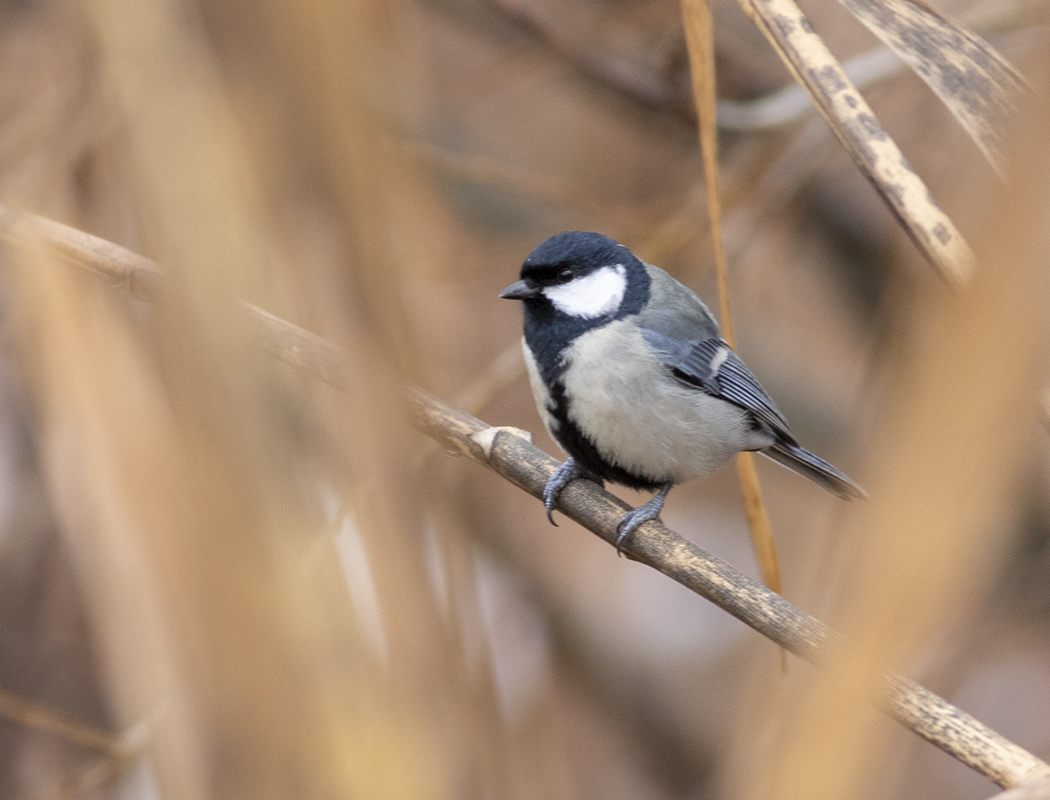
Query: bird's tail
{"x": 815, "y": 468}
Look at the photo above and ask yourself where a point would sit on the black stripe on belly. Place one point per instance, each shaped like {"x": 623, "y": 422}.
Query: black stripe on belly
{"x": 581, "y": 448}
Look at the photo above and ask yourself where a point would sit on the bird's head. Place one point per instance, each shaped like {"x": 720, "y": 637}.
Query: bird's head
{"x": 582, "y": 276}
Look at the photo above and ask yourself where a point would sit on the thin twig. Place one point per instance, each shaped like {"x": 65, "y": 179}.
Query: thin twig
{"x": 516, "y": 459}
{"x": 107, "y": 769}
{"x": 98, "y": 773}
{"x": 699, "y": 35}
{"x": 37, "y": 716}
{"x": 786, "y": 105}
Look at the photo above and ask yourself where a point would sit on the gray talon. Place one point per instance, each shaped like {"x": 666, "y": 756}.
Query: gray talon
{"x": 632, "y": 520}
{"x": 559, "y": 480}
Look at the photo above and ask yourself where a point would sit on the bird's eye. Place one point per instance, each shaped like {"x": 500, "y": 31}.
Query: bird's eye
{"x": 565, "y": 276}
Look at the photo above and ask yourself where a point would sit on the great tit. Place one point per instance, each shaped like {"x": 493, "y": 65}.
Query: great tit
{"x": 634, "y": 381}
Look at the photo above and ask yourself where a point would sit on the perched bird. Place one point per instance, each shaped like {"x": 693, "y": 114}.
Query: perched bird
{"x": 634, "y": 381}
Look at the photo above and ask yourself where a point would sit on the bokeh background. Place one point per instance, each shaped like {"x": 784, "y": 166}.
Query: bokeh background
{"x": 220, "y": 578}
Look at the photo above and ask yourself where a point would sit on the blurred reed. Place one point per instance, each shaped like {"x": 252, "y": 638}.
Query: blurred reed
{"x": 947, "y": 479}
{"x": 204, "y": 491}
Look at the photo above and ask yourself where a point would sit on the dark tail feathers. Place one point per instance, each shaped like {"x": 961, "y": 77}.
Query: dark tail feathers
{"x": 815, "y": 468}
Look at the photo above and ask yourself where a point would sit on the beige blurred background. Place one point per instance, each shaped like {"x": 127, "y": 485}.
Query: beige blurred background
{"x": 241, "y": 583}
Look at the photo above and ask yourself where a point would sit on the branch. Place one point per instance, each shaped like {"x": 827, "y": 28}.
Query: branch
{"x": 42, "y": 718}
{"x": 516, "y": 459}
{"x": 512, "y": 456}
{"x": 508, "y": 453}
{"x": 1036, "y": 790}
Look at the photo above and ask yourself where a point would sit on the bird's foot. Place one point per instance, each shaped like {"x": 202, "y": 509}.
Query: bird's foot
{"x": 632, "y": 520}
{"x": 566, "y": 472}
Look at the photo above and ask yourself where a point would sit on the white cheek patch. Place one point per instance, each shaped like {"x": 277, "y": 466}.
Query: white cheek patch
{"x": 591, "y": 296}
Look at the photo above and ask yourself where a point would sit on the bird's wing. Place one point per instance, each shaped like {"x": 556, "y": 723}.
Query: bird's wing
{"x": 681, "y": 329}
{"x": 711, "y": 366}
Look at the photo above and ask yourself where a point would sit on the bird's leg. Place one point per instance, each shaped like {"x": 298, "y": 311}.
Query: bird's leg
{"x": 566, "y": 472}
{"x": 632, "y": 519}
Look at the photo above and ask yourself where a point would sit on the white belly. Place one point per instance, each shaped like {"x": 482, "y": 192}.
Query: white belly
{"x": 642, "y": 419}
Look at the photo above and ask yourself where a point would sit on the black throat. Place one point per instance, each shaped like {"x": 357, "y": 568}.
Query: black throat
{"x": 548, "y": 334}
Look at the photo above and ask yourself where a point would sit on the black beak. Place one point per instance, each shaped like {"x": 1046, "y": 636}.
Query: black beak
{"x": 519, "y": 291}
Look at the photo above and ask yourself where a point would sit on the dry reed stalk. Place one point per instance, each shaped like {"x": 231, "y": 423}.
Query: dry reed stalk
{"x": 699, "y": 33}
{"x": 945, "y": 476}
{"x": 178, "y": 465}
{"x": 337, "y": 65}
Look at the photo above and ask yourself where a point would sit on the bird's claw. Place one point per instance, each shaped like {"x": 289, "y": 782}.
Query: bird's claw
{"x": 631, "y": 521}
{"x": 637, "y": 517}
{"x": 559, "y": 480}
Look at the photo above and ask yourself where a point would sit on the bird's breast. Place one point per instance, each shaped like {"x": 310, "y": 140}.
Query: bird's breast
{"x": 639, "y": 418}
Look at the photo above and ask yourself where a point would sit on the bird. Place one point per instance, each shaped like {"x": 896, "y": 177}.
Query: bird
{"x": 634, "y": 380}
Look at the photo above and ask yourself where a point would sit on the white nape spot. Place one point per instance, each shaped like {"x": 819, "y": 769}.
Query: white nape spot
{"x": 592, "y": 295}
{"x": 721, "y": 354}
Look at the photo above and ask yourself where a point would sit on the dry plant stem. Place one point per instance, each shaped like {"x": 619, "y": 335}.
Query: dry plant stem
{"x": 1035, "y": 790}
{"x": 514, "y": 458}
{"x": 106, "y": 770}
{"x": 99, "y": 773}
{"x": 529, "y": 468}
{"x": 977, "y": 84}
{"x": 758, "y": 521}
{"x": 786, "y": 105}
{"x": 869, "y": 68}
{"x": 699, "y": 34}
{"x": 44, "y": 719}
{"x": 854, "y": 124}
{"x": 931, "y": 717}
{"x": 696, "y": 17}
{"x": 961, "y": 735}
{"x": 973, "y": 80}
{"x": 134, "y": 274}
